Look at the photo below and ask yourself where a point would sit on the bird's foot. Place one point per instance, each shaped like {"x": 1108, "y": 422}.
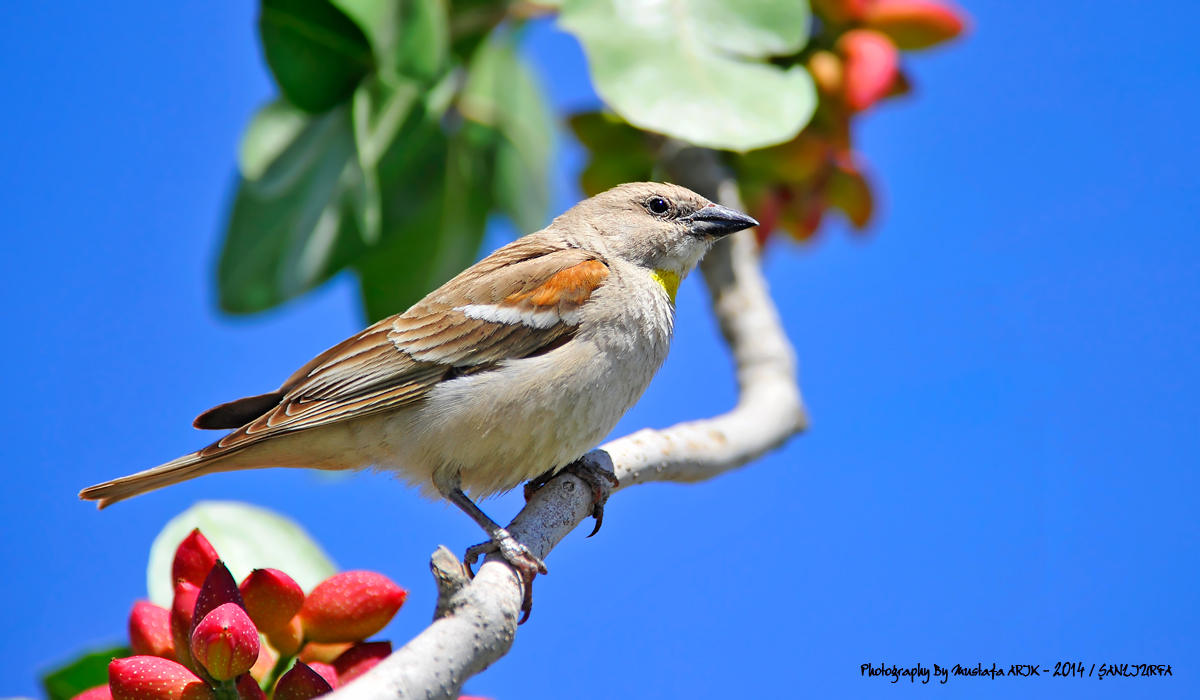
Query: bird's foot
{"x": 518, "y": 555}
{"x": 600, "y": 479}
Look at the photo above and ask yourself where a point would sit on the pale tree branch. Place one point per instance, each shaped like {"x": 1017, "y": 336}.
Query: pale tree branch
{"x": 476, "y": 619}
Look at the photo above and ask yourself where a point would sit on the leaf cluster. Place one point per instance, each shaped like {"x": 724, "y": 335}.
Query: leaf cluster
{"x": 400, "y": 127}
{"x": 403, "y": 126}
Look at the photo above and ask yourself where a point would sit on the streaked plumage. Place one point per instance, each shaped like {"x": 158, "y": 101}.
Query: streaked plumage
{"x": 517, "y": 366}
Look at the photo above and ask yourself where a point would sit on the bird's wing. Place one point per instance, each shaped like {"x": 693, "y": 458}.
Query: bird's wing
{"x": 522, "y": 300}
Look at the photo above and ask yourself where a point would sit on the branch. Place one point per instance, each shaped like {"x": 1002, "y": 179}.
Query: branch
{"x": 476, "y": 620}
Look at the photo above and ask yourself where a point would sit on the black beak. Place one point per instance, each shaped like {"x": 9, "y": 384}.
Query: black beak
{"x": 716, "y": 220}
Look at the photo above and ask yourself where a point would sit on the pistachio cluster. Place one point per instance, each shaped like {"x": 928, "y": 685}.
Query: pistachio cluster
{"x": 261, "y": 639}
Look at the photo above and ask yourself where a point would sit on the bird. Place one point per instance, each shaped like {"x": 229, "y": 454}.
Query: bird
{"x": 508, "y": 372}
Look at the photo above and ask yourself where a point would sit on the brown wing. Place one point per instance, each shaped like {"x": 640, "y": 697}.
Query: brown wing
{"x": 520, "y": 301}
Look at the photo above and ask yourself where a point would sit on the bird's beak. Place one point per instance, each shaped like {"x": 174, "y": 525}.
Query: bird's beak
{"x": 716, "y": 220}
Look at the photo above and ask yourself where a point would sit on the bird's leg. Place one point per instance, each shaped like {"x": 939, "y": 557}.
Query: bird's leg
{"x": 600, "y": 479}
{"x": 515, "y": 553}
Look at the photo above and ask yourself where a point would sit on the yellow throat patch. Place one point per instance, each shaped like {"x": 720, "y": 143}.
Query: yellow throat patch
{"x": 668, "y": 280}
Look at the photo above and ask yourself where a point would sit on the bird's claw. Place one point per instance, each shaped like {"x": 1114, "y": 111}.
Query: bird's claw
{"x": 600, "y": 479}
{"x": 516, "y": 554}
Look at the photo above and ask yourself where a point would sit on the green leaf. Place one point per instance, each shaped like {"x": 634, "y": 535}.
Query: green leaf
{"x": 409, "y": 37}
{"x": 272, "y": 130}
{"x": 246, "y": 537}
{"x": 437, "y": 195}
{"x": 293, "y": 228}
{"x": 84, "y": 673}
{"x": 502, "y": 93}
{"x": 379, "y": 109}
{"x": 693, "y": 69}
{"x": 316, "y": 53}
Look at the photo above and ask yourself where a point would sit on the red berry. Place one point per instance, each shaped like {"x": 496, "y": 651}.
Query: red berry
{"x": 218, "y": 589}
{"x": 329, "y": 673}
{"x": 871, "y": 66}
{"x": 350, "y": 607}
{"x": 153, "y": 678}
{"x": 914, "y": 24}
{"x": 150, "y": 630}
{"x": 359, "y": 659}
{"x": 287, "y": 641}
{"x": 248, "y": 688}
{"x": 100, "y": 692}
{"x": 225, "y": 642}
{"x": 272, "y": 598}
{"x": 301, "y": 683}
{"x": 182, "y": 609}
{"x": 193, "y": 559}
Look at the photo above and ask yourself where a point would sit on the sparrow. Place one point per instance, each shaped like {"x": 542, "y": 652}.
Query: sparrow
{"x": 510, "y": 371}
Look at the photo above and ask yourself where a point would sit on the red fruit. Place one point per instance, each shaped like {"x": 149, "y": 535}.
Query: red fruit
{"x": 350, "y": 607}
{"x": 152, "y": 678}
{"x": 218, "y": 589}
{"x": 248, "y": 689}
{"x": 182, "y": 609}
{"x": 100, "y": 692}
{"x": 359, "y": 659}
{"x": 225, "y": 642}
{"x": 301, "y": 683}
{"x": 150, "y": 630}
{"x": 870, "y": 68}
{"x": 266, "y": 661}
{"x": 914, "y": 24}
{"x": 272, "y": 598}
{"x": 329, "y": 673}
{"x": 193, "y": 559}
{"x": 325, "y": 653}
{"x": 287, "y": 641}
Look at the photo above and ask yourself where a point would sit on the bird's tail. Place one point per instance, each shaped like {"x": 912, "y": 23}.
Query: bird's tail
{"x": 173, "y": 472}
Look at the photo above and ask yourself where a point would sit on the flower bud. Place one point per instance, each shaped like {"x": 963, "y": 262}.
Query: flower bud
{"x": 871, "y": 65}
{"x": 218, "y": 589}
{"x": 301, "y": 683}
{"x": 914, "y": 24}
{"x": 150, "y": 630}
{"x": 225, "y": 642}
{"x": 359, "y": 659}
{"x": 153, "y": 678}
{"x": 326, "y": 671}
{"x": 182, "y": 608}
{"x": 194, "y": 558}
{"x": 350, "y": 606}
{"x": 287, "y": 641}
{"x": 100, "y": 692}
{"x": 272, "y": 598}
{"x": 248, "y": 689}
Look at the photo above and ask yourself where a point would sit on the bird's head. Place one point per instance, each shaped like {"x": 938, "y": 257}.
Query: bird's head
{"x": 659, "y": 226}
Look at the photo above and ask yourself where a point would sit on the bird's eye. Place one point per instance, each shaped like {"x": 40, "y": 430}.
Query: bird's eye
{"x": 658, "y": 206}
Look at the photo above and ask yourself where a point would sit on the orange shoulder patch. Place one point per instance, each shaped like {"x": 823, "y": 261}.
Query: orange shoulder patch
{"x": 570, "y": 287}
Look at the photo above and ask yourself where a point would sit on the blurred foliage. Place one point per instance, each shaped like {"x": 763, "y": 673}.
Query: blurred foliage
{"x": 86, "y": 671}
{"x": 403, "y": 126}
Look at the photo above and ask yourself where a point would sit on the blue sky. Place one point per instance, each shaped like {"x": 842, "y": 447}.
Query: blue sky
{"x": 1002, "y": 376}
